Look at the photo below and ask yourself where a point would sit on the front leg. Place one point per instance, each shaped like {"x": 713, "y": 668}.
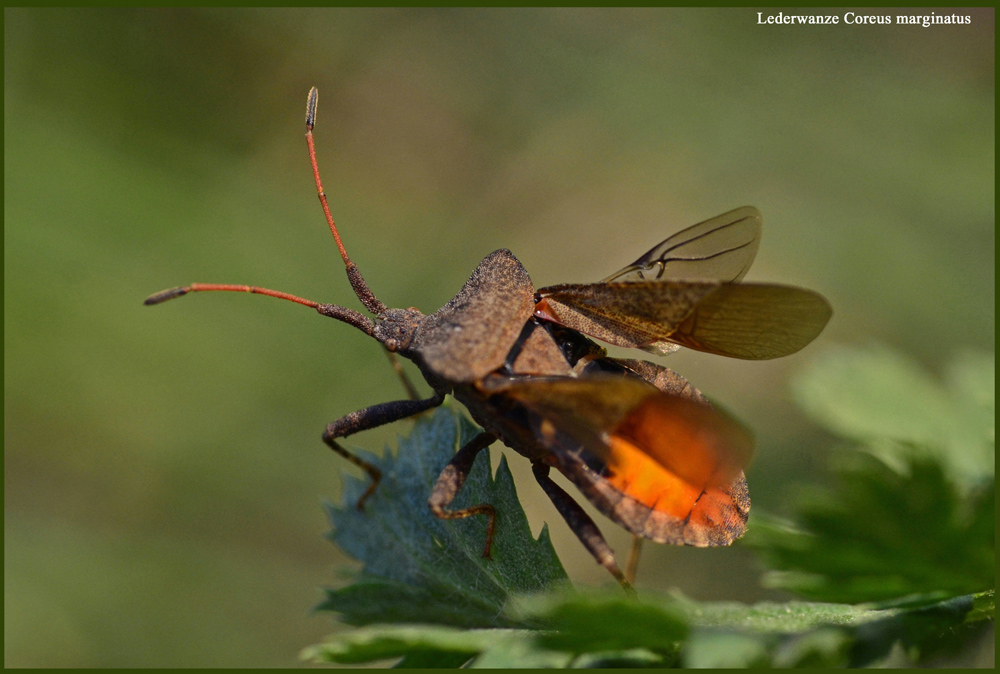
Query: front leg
{"x": 404, "y": 379}
{"x": 373, "y": 417}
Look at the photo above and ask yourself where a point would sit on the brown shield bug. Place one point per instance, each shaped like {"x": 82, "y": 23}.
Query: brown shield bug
{"x": 637, "y": 439}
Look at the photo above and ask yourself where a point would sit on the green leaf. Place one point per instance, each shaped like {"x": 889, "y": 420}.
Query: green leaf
{"x": 420, "y": 569}
{"x": 611, "y": 624}
{"x": 604, "y": 629}
{"x": 983, "y": 607}
{"x": 822, "y": 647}
{"x": 786, "y": 617}
{"x": 889, "y": 403}
{"x": 429, "y": 658}
{"x": 806, "y": 634}
{"x": 717, "y": 649}
{"x": 422, "y": 645}
{"x": 881, "y": 535}
{"x": 520, "y": 654}
{"x": 923, "y": 632}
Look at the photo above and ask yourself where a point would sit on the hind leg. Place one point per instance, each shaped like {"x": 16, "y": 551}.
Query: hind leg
{"x": 582, "y": 525}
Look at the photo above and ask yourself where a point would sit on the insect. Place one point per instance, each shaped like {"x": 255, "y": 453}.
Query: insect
{"x": 637, "y": 439}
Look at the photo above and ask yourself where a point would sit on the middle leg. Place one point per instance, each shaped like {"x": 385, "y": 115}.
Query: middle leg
{"x": 451, "y": 480}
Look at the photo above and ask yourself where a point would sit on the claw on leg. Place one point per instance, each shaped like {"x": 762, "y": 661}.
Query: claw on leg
{"x": 451, "y": 480}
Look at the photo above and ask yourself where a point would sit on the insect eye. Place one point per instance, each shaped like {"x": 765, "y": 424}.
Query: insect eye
{"x": 391, "y": 344}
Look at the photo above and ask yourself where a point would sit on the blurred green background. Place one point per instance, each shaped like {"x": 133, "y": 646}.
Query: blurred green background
{"x": 163, "y": 466}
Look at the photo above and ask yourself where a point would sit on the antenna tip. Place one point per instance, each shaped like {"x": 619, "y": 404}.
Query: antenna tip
{"x": 311, "y": 104}
{"x": 165, "y": 295}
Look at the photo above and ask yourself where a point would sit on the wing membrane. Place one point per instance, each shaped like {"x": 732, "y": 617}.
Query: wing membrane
{"x": 740, "y": 320}
{"x": 721, "y": 249}
{"x": 754, "y": 321}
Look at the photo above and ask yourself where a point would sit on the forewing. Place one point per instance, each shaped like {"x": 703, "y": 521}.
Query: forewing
{"x": 648, "y": 443}
{"x": 720, "y": 249}
{"x": 636, "y": 315}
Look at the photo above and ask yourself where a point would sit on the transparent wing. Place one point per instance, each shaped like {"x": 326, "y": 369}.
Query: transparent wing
{"x": 720, "y": 249}
{"x": 754, "y": 321}
{"x": 740, "y": 320}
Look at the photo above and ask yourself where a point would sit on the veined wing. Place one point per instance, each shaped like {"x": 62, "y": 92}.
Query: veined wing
{"x": 720, "y": 249}
{"x": 749, "y": 321}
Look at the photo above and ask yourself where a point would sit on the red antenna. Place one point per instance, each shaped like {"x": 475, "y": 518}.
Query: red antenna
{"x": 354, "y": 276}
{"x": 170, "y": 294}
{"x": 366, "y": 296}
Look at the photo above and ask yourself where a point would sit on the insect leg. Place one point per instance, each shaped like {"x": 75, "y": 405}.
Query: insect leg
{"x": 450, "y": 481}
{"x": 581, "y": 524}
{"x": 632, "y": 564}
{"x": 411, "y": 392}
{"x": 372, "y": 417}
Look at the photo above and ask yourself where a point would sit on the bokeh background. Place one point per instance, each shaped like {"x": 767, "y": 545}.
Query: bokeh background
{"x": 163, "y": 468}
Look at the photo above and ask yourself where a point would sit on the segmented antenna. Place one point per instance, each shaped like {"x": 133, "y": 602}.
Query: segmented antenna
{"x": 349, "y": 316}
{"x": 170, "y": 294}
{"x": 366, "y": 296}
{"x": 340, "y": 313}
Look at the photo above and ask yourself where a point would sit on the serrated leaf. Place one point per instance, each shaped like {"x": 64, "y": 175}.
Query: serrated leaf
{"x": 889, "y": 403}
{"x": 881, "y": 535}
{"x": 436, "y": 646}
{"x": 420, "y": 569}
